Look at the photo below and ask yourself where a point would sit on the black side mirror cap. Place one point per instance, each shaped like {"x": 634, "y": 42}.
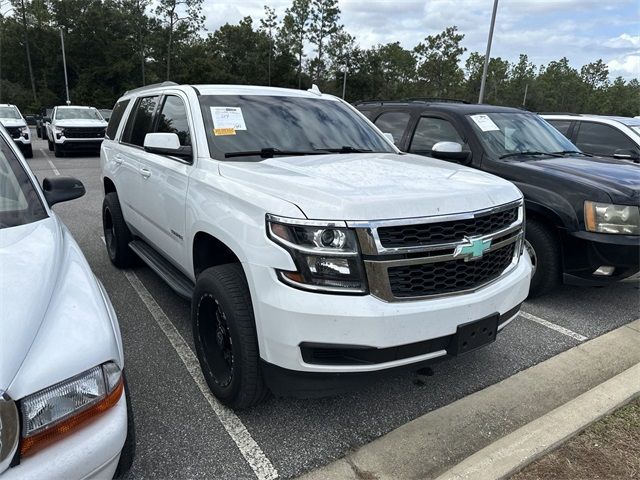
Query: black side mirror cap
{"x": 186, "y": 152}
{"x": 627, "y": 154}
{"x": 463, "y": 158}
{"x": 62, "y": 189}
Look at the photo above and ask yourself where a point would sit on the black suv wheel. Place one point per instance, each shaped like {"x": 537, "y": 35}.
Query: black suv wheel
{"x": 116, "y": 233}
{"x": 542, "y": 245}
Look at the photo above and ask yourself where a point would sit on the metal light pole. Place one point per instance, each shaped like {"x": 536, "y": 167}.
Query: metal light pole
{"x": 64, "y": 63}
{"x": 344, "y": 82}
{"x": 486, "y": 57}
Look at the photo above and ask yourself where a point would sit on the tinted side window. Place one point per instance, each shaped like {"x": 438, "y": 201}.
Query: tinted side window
{"x": 431, "y": 131}
{"x": 562, "y": 126}
{"x": 173, "y": 119}
{"x": 116, "y": 117}
{"x": 394, "y": 123}
{"x": 601, "y": 139}
{"x": 140, "y": 121}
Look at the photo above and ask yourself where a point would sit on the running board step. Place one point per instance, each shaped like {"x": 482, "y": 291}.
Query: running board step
{"x": 170, "y": 274}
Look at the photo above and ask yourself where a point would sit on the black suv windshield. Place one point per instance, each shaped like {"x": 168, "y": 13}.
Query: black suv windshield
{"x": 9, "y": 112}
{"x": 249, "y": 124}
{"x": 19, "y": 201}
{"x": 78, "y": 113}
{"x": 516, "y": 135}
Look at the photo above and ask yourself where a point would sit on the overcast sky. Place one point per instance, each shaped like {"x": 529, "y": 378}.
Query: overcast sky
{"x": 581, "y": 30}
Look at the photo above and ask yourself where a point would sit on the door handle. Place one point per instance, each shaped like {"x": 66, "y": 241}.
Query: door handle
{"x": 118, "y": 159}
{"x": 145, "y": 172}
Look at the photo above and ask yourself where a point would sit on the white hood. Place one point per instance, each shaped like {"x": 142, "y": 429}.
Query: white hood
{"x": 13, "y": 122}
{"x": 373, "y": 186}
{"x": 54, "y": 322}
{"x": 80, "y": 122}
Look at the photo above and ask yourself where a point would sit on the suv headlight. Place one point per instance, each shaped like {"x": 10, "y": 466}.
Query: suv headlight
{"x": 59, "y": 130}
{"x": 609, "y": 218}
{"x": 24, "y": 131}
{"x": 56, "y": 411}
{"x": 326, "y": 255}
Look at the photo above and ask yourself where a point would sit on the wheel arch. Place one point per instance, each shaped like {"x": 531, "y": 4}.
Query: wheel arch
{"x": 209, "y": 251}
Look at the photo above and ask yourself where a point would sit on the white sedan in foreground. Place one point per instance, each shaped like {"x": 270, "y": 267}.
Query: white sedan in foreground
{"x": 63, "y": 398}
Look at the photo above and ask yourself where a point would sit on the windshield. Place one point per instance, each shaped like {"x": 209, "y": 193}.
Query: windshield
{"x": 508, "y": 134}
{"x": 77, "y": 114}
{"x": 295, "y": 125}
{"x": 10, "y": 112}
{"x": 19, "y": 201}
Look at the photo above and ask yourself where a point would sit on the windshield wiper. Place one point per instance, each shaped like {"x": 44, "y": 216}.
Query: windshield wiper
{"x": 344, "y": 149}
{"x": 528, "y": 153}
{"x": 270, "y": 153}
{"x": 572, "y": 152}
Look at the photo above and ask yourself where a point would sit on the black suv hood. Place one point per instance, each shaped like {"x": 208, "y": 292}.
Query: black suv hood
{"x": 619, "y": 179}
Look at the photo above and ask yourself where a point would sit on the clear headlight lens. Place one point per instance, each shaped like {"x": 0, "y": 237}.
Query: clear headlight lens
{"x": 58, "y": 410}
{"x": 59, "y": 130}
{"x": 24, "y": 131}
{"x": 609, "y": 218}
{"x": 325, "y": 253}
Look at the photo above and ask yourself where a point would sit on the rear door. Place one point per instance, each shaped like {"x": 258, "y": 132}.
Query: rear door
{"x": 431, "y": 129}
{"x": 601, "y": 139}
{"x": 164, "y": 180}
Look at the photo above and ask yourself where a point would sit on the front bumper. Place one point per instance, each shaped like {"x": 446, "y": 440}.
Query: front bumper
{"x": 287, "y": 318}
{"x": 585, "y": 252}
{"x": 79, "y": 143}
{"x": 22, "y": 141}
{"x": 91, "y": 452}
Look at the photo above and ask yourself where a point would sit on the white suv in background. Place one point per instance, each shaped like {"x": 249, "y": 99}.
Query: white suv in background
{"x": 313, "y": 251}
{"x": 605, "y": 136}
{"x": 16, "y": 125}
{"x": 73, "y": 129}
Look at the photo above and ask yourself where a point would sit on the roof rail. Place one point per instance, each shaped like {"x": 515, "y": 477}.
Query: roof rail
{"x": 376, "y": 102}
{"x": 411, "y": 100}
{"x": 560, "y": 113}
{"x": 153, "y": 85}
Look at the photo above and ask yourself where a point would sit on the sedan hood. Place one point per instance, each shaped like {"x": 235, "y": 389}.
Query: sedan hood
{"x": 30, "y": 257}
{"x": 373, "y": 186}
{"x": 77, "y": 123}
{"x": 618, "y": 178}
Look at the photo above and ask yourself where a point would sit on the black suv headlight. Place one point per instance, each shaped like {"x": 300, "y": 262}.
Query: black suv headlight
{"x": 326, "y": 255}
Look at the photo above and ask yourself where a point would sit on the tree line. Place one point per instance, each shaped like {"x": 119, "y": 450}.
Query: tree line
{"x": 115, "y": 45}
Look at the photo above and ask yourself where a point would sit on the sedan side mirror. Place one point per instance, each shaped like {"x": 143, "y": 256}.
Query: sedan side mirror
{"x": 62, "y": 189}
{"x": 627, "y": 154}
{"x": 449, "y": 151}
{"x": 166, "y": 144}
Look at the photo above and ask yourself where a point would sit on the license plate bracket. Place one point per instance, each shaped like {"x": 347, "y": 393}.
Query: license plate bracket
{"x": 473, "y": 335}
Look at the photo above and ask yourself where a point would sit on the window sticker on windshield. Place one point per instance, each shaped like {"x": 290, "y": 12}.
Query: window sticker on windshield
{"x": 485, "y": 123}
{"x": 226, "y": 120}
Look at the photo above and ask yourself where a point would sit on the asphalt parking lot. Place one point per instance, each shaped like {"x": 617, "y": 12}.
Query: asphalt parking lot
{"x": 182, "y": 432}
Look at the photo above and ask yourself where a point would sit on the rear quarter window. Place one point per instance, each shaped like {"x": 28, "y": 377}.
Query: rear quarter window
{"x": 116, "y": 118}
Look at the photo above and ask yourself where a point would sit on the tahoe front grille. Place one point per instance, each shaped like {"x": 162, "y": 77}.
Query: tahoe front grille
{"x": 78, "y": 132}
{"x": 448, "y": 276}
{"x": 14, "y": 132}
{"x": 445, "y": 232}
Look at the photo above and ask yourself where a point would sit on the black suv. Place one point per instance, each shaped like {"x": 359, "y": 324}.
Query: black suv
{"x": 583, "y": 212}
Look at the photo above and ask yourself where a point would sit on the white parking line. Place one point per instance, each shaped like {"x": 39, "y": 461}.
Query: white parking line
{"x": 553, "y": 326}
{"x": 252, "y": 453}
{"x": 53, "y": 167}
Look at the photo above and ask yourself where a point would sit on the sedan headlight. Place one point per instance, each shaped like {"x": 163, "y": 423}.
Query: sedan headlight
{"x": 609, "y": 218}
{"x": 56, "y": 411}
{"x": 325, "y": 253}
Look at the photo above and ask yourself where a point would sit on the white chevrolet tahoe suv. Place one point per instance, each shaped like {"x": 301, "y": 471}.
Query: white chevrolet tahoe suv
{"x": 74, "y": 129}
{"x": 16, "y": 125}
{"x": 312, "y": 250}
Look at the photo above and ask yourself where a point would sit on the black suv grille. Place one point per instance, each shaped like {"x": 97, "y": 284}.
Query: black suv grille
{"x": 14, "y": 132}
{"x": 449, "y": 276}
{"x": 445, "y": 232}
{"x": 82, "y": 132}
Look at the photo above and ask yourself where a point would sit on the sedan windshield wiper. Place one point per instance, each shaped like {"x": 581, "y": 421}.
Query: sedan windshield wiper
{"x": 528, "y": 153}
{"x": 572, "y": 152}
{"x": 344, "y": 149}
{"x": 270, "y": 153}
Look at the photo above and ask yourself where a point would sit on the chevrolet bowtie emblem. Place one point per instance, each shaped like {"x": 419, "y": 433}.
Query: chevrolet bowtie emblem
{"x": 472, "y": 249}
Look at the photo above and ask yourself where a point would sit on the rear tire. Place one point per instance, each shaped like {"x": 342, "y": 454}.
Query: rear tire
{"x": 225, "y": 336}
{"x": 542, "y": 244}
{"x": 116, "y": 233}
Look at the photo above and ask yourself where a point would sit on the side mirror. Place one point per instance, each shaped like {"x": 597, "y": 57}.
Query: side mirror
{"x": 389, "y": 137}
{"x": 449, "y": 151}
{"x": 62, "y": 189}
{"x": 47, "y": 119}
{"x": 166, "y": 144}
{"x": 627, "y": 154}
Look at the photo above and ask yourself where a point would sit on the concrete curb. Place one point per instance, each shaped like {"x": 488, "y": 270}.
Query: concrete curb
{"x": 440, "y": 440}
{"x": 510, "y": 454}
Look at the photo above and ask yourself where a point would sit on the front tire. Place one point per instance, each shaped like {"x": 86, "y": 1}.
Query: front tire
{"x": 50, "y": 145}
{"x": 116, "y": 233}
{"x": 225, "y": 336}
{"x": 542, "y": 244}
{"x": 58, "y": 151}
{"x": 28, "y": 151}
